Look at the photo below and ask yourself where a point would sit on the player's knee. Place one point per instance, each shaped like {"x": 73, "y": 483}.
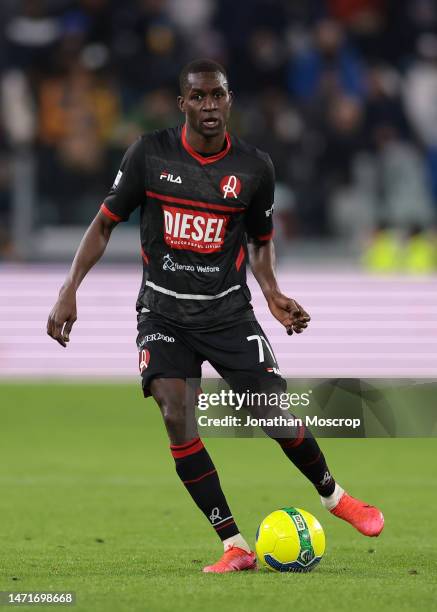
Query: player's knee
{"x": 174, "y": 420}
{"x": 177, "y": 409}
{"x": 173, "y": 414}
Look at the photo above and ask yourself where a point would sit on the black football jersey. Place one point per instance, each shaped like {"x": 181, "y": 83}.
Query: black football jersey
{"x": 196, "y": 215}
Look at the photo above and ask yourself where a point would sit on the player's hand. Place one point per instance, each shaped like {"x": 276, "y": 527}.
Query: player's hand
{"x": 62, "y": 317}
{"x": 288, "y": 312}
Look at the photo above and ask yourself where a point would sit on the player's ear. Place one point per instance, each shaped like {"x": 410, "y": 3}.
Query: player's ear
{"x": 231, "y": 97}
{"x": 181, "y": 103}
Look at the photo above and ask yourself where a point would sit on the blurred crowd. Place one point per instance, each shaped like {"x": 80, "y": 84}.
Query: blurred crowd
{"x": 341, "y": 93}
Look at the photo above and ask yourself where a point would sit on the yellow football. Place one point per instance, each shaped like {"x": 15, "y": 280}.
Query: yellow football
{"x": 290, "y": 540}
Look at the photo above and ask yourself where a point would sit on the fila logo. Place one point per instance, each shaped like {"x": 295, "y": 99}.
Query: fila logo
{"x": 166, "y": 176}
{"x": 230, "y": 186}
{"x": 192, "y": 230}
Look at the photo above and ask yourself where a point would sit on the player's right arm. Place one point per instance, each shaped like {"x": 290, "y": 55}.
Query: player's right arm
{"x": 91, "y": 248}
{"x": 125, "y": 195}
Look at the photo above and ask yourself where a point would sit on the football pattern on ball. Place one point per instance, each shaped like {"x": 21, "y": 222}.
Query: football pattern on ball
{"x": 290, "y": 540}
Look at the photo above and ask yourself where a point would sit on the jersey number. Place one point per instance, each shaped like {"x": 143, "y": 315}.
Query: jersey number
{"x": 260, "y": 340}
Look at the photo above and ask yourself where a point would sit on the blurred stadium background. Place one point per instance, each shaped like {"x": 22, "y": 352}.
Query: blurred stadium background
{"x": 341, "y": 93}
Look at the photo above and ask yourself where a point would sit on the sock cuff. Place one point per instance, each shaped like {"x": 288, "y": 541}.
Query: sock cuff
{"x": 332, "y": 500}
{"x": 187, "y": 448}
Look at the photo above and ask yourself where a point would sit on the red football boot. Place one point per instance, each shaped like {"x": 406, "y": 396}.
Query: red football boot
{"x": 233, "y": 560}
{"x": 368, "y": 520}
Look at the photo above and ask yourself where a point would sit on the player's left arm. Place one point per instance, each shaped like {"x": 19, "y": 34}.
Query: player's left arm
{"x": 259, "y": 226}
{"x": 286, "y": 310}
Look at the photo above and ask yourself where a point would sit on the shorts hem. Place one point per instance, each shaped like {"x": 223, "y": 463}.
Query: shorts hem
{"x": 146, "y": 382}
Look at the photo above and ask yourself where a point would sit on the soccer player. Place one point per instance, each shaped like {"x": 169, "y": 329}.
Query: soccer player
{"x": 206, "y": 200}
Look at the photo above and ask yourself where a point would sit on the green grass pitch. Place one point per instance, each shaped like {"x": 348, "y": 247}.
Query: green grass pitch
{"x": 90, "y": 502}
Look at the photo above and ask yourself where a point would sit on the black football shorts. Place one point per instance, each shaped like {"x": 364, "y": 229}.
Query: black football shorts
{"x": 240, "y": 353}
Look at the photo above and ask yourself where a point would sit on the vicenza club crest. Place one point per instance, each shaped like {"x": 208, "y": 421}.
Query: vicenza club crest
{"x": 144, "y": 359}
{"x": 230, "y": 186}
{"x": 168, "y": 264}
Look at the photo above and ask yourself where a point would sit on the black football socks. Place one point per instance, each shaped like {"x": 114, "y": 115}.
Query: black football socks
{"x": 197, "y": 471}
{"x": 306, "y": 455}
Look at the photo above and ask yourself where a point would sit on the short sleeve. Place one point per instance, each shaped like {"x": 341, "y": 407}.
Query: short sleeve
{"x": 128, "y": 190}
{"x": 259, "y": 217}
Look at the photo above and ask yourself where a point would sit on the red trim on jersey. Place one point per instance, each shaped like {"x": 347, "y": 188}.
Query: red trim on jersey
{"x": 240, "y": 258}
{"x": 266, "y": 236}
{"x": 144, "y": 256}
{"x": 174, "y": 200}
{"x": 189, "y": 448}
{"x": 105, "y": 210}
{"x": 200, "y": 158}
{"x": 200, "y": 477}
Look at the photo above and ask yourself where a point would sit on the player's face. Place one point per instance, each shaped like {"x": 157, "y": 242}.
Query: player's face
{"x": 206, "y": 103}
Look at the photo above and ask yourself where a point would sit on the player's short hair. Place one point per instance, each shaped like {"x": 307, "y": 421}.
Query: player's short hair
{"x": 199, "y": 65}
